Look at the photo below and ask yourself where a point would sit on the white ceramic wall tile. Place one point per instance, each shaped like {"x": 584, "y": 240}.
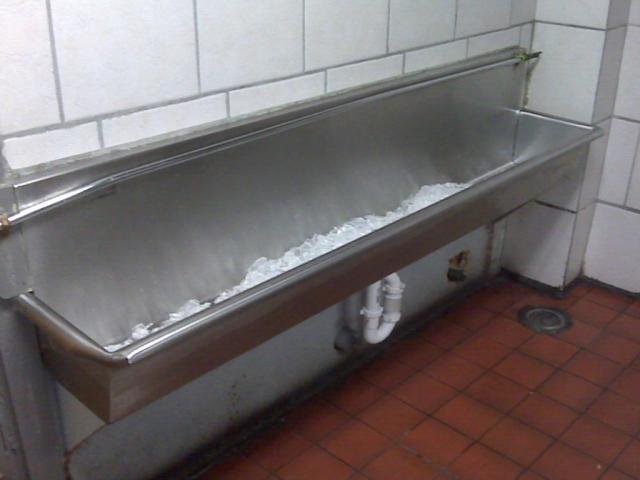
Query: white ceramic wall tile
{"x": 120, "y": 54}
{"x": 494, "y": 41}
{"x": 537, "y": 243}
{"x": 633, "y": 198}
{"x": 583, "y": 223}
{"x": 618, "y": 13}
{"x": 27, "y": 86}
{"x": 526, "y": 36}
{"x": 436, "y": 56}
{"x": 634, "y": 14}
{"x": 340, "y": 32}
{"x": 594, "y": 167}
{"x": 22, "y": 152}
{"x": 247, "y": 41}
{"x": 415, "y": 23}
{"x": 621, "y": 151}
{"x": 613, "y": 252}
{"x": 609, "y": 74}
{"x": 565, "y": 81}
{"x": 262, "y": 97}
{"x": 362, "y": 73}
{"x": 628, "y": 99}
{"x": 523, "y": 11}
{"x": 158, "y": 121}
{"x": 586, "y": 13}
{"x": 480, "y": 16}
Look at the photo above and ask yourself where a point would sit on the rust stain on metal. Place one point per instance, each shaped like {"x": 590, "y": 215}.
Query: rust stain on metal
{"x": 5, "y": 224}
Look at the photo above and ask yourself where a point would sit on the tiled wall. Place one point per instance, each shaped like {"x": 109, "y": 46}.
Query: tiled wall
{"x": 576, "y": 79}
{"x": 79, "y": 76}
{"x": 613, "y": 254}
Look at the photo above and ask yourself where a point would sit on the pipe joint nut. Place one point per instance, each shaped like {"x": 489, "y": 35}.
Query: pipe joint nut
{"x": 372, "y": 313}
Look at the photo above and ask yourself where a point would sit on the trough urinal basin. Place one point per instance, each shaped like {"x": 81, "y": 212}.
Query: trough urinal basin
{"x": 123, "y": 241}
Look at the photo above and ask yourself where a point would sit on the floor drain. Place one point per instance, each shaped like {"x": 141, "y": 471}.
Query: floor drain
{"x": 545, "y": 320}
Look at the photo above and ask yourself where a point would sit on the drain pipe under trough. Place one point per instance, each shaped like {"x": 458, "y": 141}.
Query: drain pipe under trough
{"x": 380, "y": 320}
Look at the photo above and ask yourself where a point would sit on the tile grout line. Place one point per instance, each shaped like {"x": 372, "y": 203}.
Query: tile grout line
{"x": 100, "y": 133}
{"x": 634, "y": 165}
{"x": 388, "y": 26}
{"x": 54, "y": 61}
{"x": 304, "y": 36}
{"x": 210, "y": 93}
{"x": 196, "y": 33}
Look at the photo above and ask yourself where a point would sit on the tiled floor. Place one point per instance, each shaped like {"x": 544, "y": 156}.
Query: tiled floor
{"x": 475, "y": 396}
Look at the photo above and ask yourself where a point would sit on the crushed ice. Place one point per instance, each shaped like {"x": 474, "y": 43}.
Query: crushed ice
{"x": 264, "y": 269}
{"x": 140, "y": 331}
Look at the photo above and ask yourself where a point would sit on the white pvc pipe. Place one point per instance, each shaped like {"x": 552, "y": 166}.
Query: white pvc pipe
{"x": 380, "y": 320}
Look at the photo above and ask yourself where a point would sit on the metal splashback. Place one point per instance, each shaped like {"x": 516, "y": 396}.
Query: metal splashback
{"x": 136, "y": 252}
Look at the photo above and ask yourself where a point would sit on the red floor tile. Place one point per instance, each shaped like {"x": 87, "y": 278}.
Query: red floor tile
{"x": 628, "y": 385}
{"x": 468, "y": 416}
{"x": 470, "y": 316}
{"x": 587, "y": 311}
{"x": 517, "y": 441}
{"x": 276, "y": 448}
{"x": 237, "y": 467}
{"x": 596, "y": 439}
{"x": 626, "y": 326}
{"x": 414, "y": 352}
{"x": 315, "y": 419}
{"x": 480, "y": 463}
{"x": 436, "y": 441}
{"x": 525, "y": 370}
{"x": 580, "y": 334}
{"x": 399, "y": 464}
{"x": 391, "y": 416}
{"x": 315, "y": 464}
{"x": 633, "y": 310}
{"x": 613, "y": 474}
{"x": 636, "y": 363}
{"x": 495, "y": 300}
{"x": 562, "y": 462}
{"x": 593, "y": 368}
{"x": 609, "y": 298}
{"x": 545, "y": 414}
{"x": 354, "y": 395}
{"x": 454, "y": 370}
{"x": 355, "y": 443}
{"x": 482, "y": 350}
{"x": 506, "y": 331}
{"x": 530, "y": 476}
{"x": 616, "y": 348}
{"x": 385, "y": 373}
{"x": 424, "y": 393}
{"x": 497, "y": 391}
{"x": 617, "y": 412}
{"x": 579, "y": 289}
{"x": 570, "y": 390}
{"x": 444, "y": 334}
{"x": 629, "y": 461}
{"x": 321, "y": 439}
{"x": 549, "y": 349}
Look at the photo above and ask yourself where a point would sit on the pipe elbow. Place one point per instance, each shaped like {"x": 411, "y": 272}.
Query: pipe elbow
{"x": 380, "y": 320}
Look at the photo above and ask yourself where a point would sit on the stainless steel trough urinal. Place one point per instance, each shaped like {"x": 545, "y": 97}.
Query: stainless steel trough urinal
{"x": 96, "y": 247}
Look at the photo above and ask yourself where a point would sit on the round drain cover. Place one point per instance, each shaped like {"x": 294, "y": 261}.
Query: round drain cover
{"x": 544, "y": 319}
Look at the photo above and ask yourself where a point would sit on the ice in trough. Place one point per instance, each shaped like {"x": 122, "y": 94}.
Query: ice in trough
{"x": 264, "y": 269}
